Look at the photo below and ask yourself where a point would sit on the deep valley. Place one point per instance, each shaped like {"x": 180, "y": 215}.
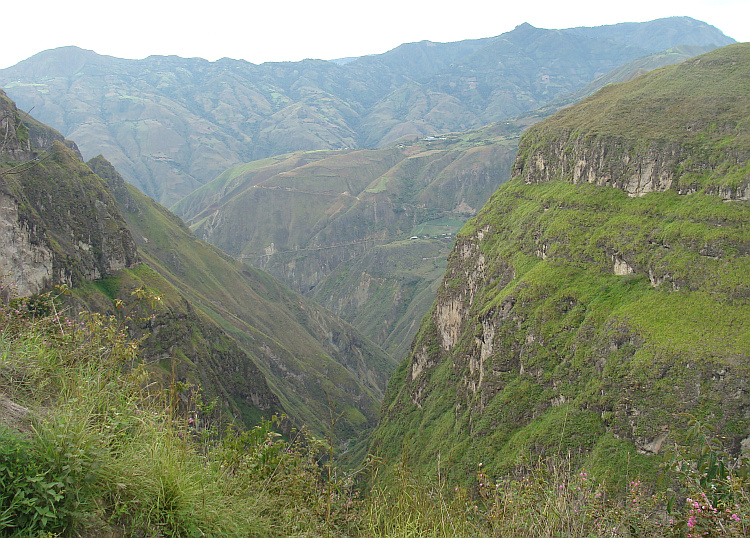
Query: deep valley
{"x": 496, "y": 287}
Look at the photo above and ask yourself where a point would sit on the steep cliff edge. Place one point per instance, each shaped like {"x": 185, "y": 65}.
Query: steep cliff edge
{"x": 59, "y": 223}
{"x": 683, "y": 129}
{"x": 601, "y": 294}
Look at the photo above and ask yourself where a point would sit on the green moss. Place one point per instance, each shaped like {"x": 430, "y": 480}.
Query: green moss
{"x": 109, "y": 286}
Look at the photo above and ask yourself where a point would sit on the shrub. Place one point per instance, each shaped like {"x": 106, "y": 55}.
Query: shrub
{"x": 30, "y": 495}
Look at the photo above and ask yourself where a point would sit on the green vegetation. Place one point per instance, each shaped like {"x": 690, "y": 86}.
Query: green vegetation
{"x": 603, "y": 345}
{"x": 693, "y": 115}
{"x": 707, "y": 96}
{"x": 385, "y": 291}
{"x": 576, "y": 319}
{"x": 309, "y": 218}
{"x": 102, "y": 450}
{"x": 438, "y": 227}
{"x": 99, "y": 450}
{"x": 582, "y": 372}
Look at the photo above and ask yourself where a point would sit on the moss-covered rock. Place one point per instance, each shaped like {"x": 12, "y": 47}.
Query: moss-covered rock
{"x": 60, "y": 223}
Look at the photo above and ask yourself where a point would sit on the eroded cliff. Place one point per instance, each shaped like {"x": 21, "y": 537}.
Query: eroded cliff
{"x": 59, "y": 223}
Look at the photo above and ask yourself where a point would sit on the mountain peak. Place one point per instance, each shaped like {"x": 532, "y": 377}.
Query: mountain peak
{"x": 61, "y": 62}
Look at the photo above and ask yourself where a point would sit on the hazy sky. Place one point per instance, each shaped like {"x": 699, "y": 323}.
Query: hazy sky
{"x": 327, "y": 29}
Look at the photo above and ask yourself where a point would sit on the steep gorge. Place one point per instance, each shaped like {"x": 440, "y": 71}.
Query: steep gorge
{"x": 247, "y": 341}
{"x": 336, "y": 225}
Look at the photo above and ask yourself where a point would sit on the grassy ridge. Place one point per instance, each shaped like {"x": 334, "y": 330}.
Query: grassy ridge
{"x": 683, "y": 127}
{"x": 708, "y": 91}
{"x": 576, "y": 319}
{"x": 102, "y": 452}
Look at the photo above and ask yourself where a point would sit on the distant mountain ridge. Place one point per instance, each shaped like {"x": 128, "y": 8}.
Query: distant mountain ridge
{"x": 171, "y": 124}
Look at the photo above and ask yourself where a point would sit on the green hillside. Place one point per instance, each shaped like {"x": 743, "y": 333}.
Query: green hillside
{"x": 309, "y": 357}
{"x": 583, "y": 370}
{"x": 62, "y": 225}
{"x": 601, "y": 295}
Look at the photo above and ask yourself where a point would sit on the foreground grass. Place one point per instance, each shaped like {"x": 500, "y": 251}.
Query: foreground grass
{"x": 107, "y": 453}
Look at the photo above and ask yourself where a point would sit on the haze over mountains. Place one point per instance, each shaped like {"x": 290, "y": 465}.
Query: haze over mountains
{"x": 365, "y": 232}
{"x": 171, "y": 124}
{"x": 336, "y": 225}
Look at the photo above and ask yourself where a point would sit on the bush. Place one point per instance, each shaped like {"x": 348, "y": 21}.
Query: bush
{"x": 30, "y": 494}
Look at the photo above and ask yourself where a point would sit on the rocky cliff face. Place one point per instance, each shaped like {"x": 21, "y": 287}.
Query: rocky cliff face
{"x": 59, "y": 223}
{"x": 613, "y": 162}
{"x": 601, "y": 294}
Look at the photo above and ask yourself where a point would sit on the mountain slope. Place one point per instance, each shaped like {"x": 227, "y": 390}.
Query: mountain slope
{"x": 337, "y": 225}
{"x": 309, "y": 357}
{"x": 601, "y": 293}
{"x": 171, "y": 124}
{"x": 243, "y": 337}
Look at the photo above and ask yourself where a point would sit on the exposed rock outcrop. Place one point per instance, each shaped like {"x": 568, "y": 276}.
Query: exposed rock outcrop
{"x": 623, "y": 164}
{"x": 65, "y": 234}
{"x": 13, "y": 415}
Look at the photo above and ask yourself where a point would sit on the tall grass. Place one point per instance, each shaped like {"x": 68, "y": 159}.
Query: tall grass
{"x": 107, "y": 453}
